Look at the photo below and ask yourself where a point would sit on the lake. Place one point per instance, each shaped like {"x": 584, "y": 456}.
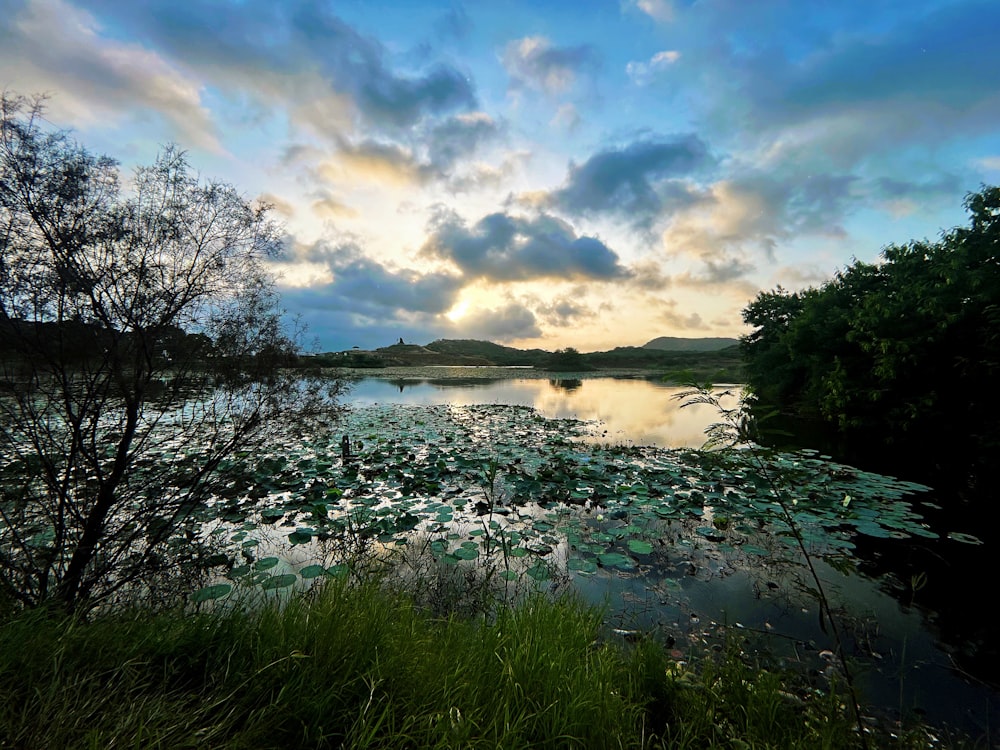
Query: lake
{"x": 629, "y": 410}
{"x": 691, "y": 591}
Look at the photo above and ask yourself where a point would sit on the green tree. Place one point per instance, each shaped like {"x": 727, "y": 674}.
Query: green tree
{"x": 566, "y": 360}
{"x": 907, "y": 347}
{"x": 115, "y": 310}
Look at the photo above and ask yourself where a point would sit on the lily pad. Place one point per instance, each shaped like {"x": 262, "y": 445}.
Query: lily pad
{"x": 209, "y": 593}
{"x": 964, "y": 538}
{"x": 639, "y": 546}
{"x": 278, "y": 582}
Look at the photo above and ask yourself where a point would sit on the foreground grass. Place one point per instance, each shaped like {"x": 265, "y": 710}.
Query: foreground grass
{"x": 363, "y": 667}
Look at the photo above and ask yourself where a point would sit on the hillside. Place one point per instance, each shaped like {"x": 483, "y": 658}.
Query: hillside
{"x": 719, "y": 364}
{"x": 673, "y": 344}
{"x": 423, "y": 356}
{"x": 505, "y": 356}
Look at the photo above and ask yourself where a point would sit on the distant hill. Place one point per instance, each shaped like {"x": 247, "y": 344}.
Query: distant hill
{"x": 716, "y": 359}
{"x": 672, "y": 344}
{"x": 505, "y": 356}
{"x": 414, "y": 355}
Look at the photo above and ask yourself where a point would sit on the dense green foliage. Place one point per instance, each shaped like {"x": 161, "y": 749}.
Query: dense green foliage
{"x": 908, "y": 347}
{"x": 361, "y": 666}
{"x": 565, "y": 360}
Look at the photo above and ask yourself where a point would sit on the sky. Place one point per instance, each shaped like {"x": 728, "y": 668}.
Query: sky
{"x": 587, "y": 174}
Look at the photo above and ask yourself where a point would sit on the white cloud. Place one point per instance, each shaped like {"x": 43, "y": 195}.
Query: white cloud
{"x": 534, "y": 61}
{"x": 989, "y": 163}
{"x": 57, "y": 48}
{"x": 658, "y": 10}
{"x": 643, "y": 73}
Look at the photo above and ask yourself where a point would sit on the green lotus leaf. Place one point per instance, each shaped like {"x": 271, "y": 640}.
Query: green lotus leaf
{"x": 312, "y": 571}
{"x": 278, "y": 582}
{"x": 208, "y": 593}
{"x": 639, "y": 546}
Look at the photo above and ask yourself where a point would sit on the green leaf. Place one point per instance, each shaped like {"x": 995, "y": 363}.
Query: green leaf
{"x": 278, "y": 582}
{"x": 959, "y": 536}
{"x": 581, "y": 565}
{"x": 312, "y": 571}
{"x": 639, "y": 546}
{"x": 540, "y": 572}
{"x": 207, "y": 593}
{"x": 300, "y": 537}
{"x": 265, "y": 563}
{"x": 615, "y": 560}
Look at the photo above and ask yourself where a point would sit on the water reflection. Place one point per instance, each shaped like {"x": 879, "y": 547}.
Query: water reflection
{"x": 635, "y": 411}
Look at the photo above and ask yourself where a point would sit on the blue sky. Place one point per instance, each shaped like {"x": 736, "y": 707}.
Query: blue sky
{"x": 586, "y": 174}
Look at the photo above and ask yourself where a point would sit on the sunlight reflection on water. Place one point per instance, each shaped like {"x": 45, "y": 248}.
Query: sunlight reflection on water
{"x": 631, "y": 411}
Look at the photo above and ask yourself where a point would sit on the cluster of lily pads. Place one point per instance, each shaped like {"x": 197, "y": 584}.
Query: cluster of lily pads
{"x": 494, "y": 481}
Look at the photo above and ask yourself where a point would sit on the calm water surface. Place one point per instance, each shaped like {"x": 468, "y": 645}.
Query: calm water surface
{"x": 908, "y": 662}
{"x": 635, "y": 411}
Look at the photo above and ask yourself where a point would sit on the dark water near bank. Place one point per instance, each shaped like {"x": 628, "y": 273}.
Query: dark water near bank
{"x": 918, "y": 616}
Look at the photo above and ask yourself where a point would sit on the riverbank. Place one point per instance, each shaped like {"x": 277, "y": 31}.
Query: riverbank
{"x": 487, "y": 373}
{"x": 365, "y": 666}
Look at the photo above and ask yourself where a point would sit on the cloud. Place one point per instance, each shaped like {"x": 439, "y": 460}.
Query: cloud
{"x": 634, "y": 181}
{"x": 364, "y": 286}
{"x": 753, "y": 211}
{"x": 905, "y": 197}
{"x": 458, "y": 137}
{"x": 478, "y": 175}
{"x": 55, "y": 47}
{"x": 377, "y": 161}
{"x": 566, "y": 117}
{"x": 643, "y": 73}
{"x": 280, "y": 205}
{"x": 564, "y": 311}
{"x": 691, "y": 321}
{"x": 501, "y": 247}
{"x": 299, "y": 54}
{"x": 659, "y": 10}
{"x": 988, "y": 163}
{"x": 455, "y": 24}
{"x": 327, "y": 206}
{"x": 432, "y": 154}
{"x": 507, "y": 323}
{"x": 534, "y": 62}
{"x": 854, "y": 89}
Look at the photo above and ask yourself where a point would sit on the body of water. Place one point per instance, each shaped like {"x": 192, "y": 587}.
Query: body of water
{"x": 625, "y": 410}
{"x": 907, "y": 661}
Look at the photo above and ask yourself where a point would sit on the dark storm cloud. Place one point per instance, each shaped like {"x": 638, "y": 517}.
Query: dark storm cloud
{"x": 634, "y": 181}
{"x": 501, "y": 247}
{"x": 251, "y": 43}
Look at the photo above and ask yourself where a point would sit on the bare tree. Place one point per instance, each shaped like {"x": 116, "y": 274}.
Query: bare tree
{"x": 140, "y": 345}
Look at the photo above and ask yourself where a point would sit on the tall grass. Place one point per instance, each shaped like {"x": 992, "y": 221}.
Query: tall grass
{"x": 361, "y": 666}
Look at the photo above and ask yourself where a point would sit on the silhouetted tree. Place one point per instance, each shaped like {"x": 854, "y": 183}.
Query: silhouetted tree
{"x": 114, "y": 309}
